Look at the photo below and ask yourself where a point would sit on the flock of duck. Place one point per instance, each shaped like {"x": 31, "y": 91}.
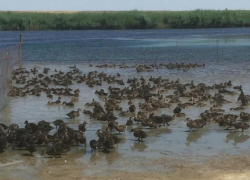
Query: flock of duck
{"x": 150, "y": 92}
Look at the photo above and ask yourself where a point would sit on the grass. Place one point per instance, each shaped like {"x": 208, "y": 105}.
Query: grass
{"x": 66, "y": 20}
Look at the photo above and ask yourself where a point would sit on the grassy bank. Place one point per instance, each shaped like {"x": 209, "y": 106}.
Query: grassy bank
{"x": 123, "y": 20}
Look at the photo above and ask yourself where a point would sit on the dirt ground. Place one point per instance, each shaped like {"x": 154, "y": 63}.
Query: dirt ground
{"x": 220, "y": 167}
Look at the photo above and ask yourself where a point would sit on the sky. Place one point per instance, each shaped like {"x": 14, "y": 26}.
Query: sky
{"x": 121, "y": 5}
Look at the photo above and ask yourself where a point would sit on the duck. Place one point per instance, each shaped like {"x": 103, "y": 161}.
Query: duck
{"x": 200, "y": 104}
{"x": 79, "y": 138}
{"x": 50, "y": 95}
{"x": 54, "y": 150}
{"x": 31, "y": 127}
{"x": 73, "y": 114}
{"x": 58, "y": 101}
{"x": 4, "y": 126}
{"x": 58, "y": 122}
{"x": 13, "y": 127}
{"x": 245, "y": 116}
{"x": 129, "y": 122}
{"x": 108, "y": 143}
{"x": 51, "y": 103}
{"x": 140, "y": 134}
{"x": 93, "y": 144}
{"x": 212, "y": 109}
{"x": 111, "y": 125}
{"x": 132, "y": 108}
{"x": 120, "y": 128}
{"x": 148, "y": 123}
{"x": 241, "y": 125}
{"x": 68, "y": 103}
{"x": 31, "y": 148}
{"x": 130, "y": 102}
{"x": 74, "y": 99}
{"x": 193, "y": 124}
{"x": 124, "y": 113}
{"x": 3, "y": 142}
{"x": 179, "y": 115}
{"x": 237, "y": 109}
{"x": 82, "y": 127}
{"x": 177, "y": 109}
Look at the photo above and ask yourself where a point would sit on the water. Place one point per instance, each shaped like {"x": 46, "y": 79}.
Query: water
{"x": 225, "y": 52}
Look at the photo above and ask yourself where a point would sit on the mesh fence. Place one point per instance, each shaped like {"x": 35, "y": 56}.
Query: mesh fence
{"x": 10, "y": 58}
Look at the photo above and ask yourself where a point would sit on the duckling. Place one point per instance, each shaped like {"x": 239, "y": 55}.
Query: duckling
{"x": 93, "y": 144}
{"x": 13, "y": 127}
{"x": 74, "y": 114}
{"x": 44, "y": 125}
{"x": 132, "y": 108}
{"x": 177, "y": 109}
{"x": 150, "y": 124}
{"x": 5, "y": 127}
{"x": 77, "y": 91}
{"x": 230, "y": 123}
{"x": 82, "y": 127}
{"x": 237, "y": 109}
{"x": 58, "y": 101}
{"x": 212, "y": 109}
{"x": 130, "y": 102}
{"x": 121, "y": 128}
{"x": 124, "y": 113}
{"x": 138, "y": 133}
{"x": 200, "y": 104}
{"x": 79, "y": 138}
{"x": 22, "y": 143}
{"x": 237, "y": 87}
{"x": 111, "y": 125}
{"x": 87, "y": 112}
{"x": 58, "y": 122}
{"x": 3, "y": 142}
{"x": 51, "y": 103}
{"x": 54, "y": 150}
{"x": 192, "y": 124}
{"x": 50, "y": 95}
{"x": 179, "y": 115}
{"x": 108, "y": 143}
{"x": 31, "y": 127}
{"x": 31, "y": 148}
{"x": 129, "y": 122}
{"x": 241, "y": 125}
{"x": 74, "y": 99}
{"x": 68, "y": 103}
{"x": 245, "y": 116}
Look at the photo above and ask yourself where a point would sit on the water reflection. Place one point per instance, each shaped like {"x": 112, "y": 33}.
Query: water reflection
{"x": 138, "y": 146}
{"x": 237, "y": 137}
{"x": 158, "y": 132}
{"x": 193, "y": 136}
{"x": 75, "y": 154}
{"x": 110, "y": 157}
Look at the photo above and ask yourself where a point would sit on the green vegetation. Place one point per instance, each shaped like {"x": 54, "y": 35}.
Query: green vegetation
{"x": 123, "y": 20}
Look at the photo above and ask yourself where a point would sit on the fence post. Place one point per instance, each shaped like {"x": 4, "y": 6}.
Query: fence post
{"x": 21, "y": 38}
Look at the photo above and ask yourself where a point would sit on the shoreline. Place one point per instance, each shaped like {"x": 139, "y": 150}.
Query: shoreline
{"x": 219, "y": 167}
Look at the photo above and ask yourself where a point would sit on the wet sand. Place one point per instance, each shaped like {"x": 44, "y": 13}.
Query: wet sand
{"x": 219, "y": 167}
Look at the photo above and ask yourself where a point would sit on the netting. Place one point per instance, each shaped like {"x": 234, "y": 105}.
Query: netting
{"x": 10, "y": 58}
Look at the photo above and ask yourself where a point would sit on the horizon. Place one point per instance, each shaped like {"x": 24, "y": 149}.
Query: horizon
{"x": 122, "y": 5}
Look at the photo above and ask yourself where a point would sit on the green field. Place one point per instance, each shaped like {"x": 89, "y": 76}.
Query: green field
{"x": 123, "y": 20}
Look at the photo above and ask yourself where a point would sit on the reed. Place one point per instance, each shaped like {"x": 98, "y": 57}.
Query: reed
{"x": 124, "y": 20}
